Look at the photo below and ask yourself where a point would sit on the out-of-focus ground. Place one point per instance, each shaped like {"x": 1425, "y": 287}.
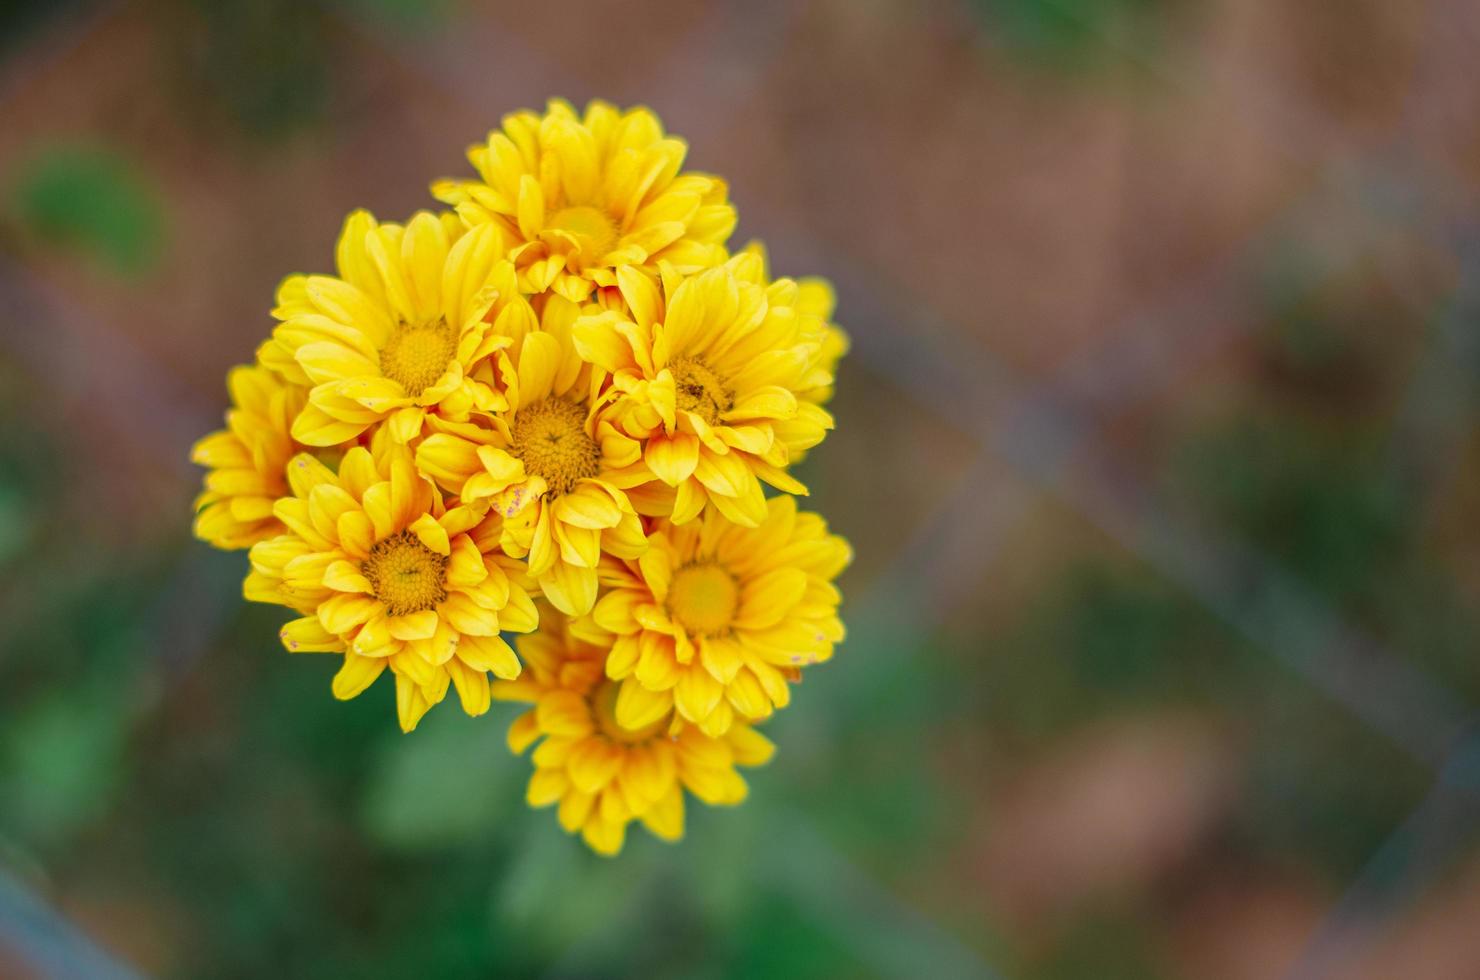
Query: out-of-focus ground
{"x": 1158, "y": 447}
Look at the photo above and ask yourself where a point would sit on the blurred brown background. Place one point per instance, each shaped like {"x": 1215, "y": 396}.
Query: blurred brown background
{"x": 1158, "y": 447}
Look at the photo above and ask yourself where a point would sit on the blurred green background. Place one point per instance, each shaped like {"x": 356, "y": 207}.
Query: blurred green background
{"x": 1158, "y": 447}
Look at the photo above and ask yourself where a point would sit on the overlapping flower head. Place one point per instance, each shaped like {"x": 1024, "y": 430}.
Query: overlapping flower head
{"x": 550, "y": 415}
{"x": 604, "y": 774}
{"x": 581, "y": 197}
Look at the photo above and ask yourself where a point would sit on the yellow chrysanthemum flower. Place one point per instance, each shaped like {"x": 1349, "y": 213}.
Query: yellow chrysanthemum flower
{"x": 393, "y": 336}
{"x": 553, "y": 407}
{"x": 579, "y": 196}
{"x": 602, "y": 775}
{"x": 390, "y": 577}
{"x": 706, "y": 373}
{"x": 715, "y": 619}
{"x": 247, "y": 460}
{"x": 544, "y": 466}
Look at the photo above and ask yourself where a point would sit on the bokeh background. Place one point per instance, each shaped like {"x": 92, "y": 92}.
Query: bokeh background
{"x": 1158, "y": 446}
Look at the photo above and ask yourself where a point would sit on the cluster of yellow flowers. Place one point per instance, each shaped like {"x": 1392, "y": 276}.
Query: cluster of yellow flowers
{"x": 550, "y": 408}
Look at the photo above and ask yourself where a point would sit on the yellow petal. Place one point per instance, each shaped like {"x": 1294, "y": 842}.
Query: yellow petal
{"x": 696, "y": 694}
{"x": 531, "y": 207}
{"x": 307, "y": 635}
{"x": 314, "y": 427}
{"x": 420, "y": 671}
{"x": 575, "y": 808}
{"x": 672, "y": 459}
{"x": 767, "y": 598}
{"x": 489, "y": 653}
{"x": 578, "y": 545}
{"x": 374, "y": 638}
{"x": 751, "y": 748}
{"x": 465, "y": 567}
{"x": 448, "y": 460}
{"x": 593, "y": 764}
{"x": 748, "y": 697}
{"x": 546, "y": 786}
{"x": 665, "y": 817}
{"x": 327, "y": 361}
{"x": 467, "y": 617}
{"x": 570, "y": 588}
{"x": 588, "y": 506}
{"x": 657, "y": 666}
{"x": 613, "y": 612}
{"x": 637, "y": 707}
{"x": 539, "y": 362}
{"x": 343, "y": 613}
{"x": 472, "y": 687}
{"x": 721, "y": 656}
{"x": 356, "y": 534}
{"x": 305, "y": 473}
{"x": 413, "y": 626}
{"x": 356, "y": 675}
{"x": 564, "y": 712}
{"x": 604, "y": 837}
{"x": 523, "y": 732}
{"x": 341, "y": 576}
{"x": 431, "y": 533}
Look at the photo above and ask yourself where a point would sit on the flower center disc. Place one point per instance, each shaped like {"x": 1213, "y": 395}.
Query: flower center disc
{"x": 589, "y": 226}
{"x": 406, "y": 575}
{"x": 699, "y": 390}
{"x": 417, "y": 356}
{"x": 703, "y": 598}
{"x": 604, "y": 708}
{"x": 550, "y": 440}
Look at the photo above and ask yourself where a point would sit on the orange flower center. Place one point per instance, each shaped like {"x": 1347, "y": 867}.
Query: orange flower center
{"x": 550, "y": 439}
{"x": 699, "y": 390}
{"x": 406, "y": 575}
{"x": 703, "y": 598}
{"x": 417, "y": 356}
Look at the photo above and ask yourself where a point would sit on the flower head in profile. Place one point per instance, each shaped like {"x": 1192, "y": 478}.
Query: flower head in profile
{"x": 386, "y": 575}
{"x": 247, "y": 460}
{"x": 814, "y": 301}
{"x": 815, "y": 304}
{"x": 714, "y": 620}
{"x": 706, "y": 373}
{"x": 581, "y": 195}
{"x": 602, "y": 775}
{"x": 393, "y": 337}
{"x": 544, "y": 466}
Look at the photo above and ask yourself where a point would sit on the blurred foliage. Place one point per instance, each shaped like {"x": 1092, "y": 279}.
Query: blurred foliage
{"x": 1312, "y": 793}
{"x": 777, "y": 939}
{"x": 28, "y": 464}
{"x": 1068, "y": 34}
{"x": 1115, "y": 640}
{"x": 1305, "y": 466}
{"x": 92, "y": 201}
{"x": 20, "y": 20}
{"x": 415, "y": 15}
{"x": 874, "y": 797}
{"x": 446, "y": 787}
{"x": 1326, "y": 509}
{"x": 1108, "y": 638}
{"x": 263, "y": 64}
{"x": 1106, "y": 944}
